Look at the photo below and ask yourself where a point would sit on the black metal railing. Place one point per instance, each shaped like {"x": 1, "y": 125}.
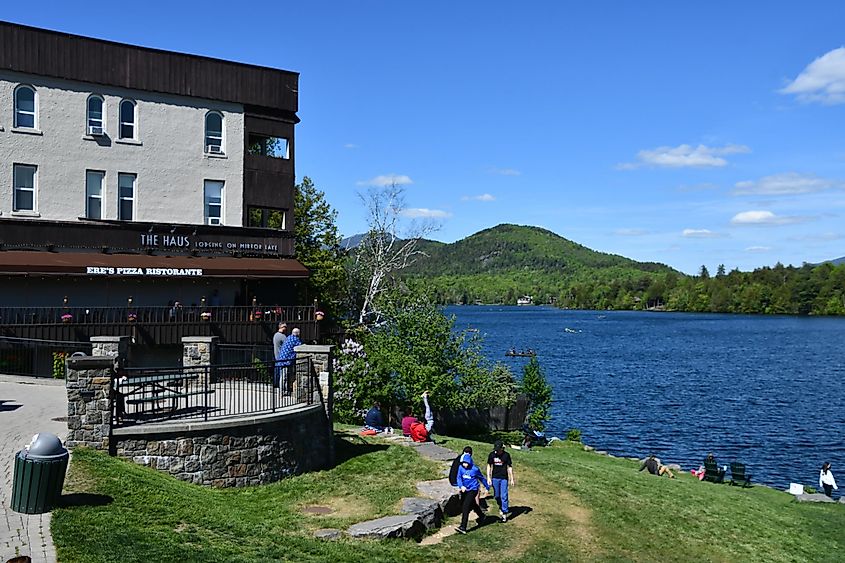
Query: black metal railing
{"x": 145, "y": 395}
{"x": 233, "y": 354}
{"x": 167, "y": 314}
{"x": 38, "y": 358}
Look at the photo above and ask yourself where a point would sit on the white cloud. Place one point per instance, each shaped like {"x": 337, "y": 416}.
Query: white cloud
{"x": 758, "y": 249}
{"x": 482, "y": 197}
{"x": 631, "y": 232}
{"x": 684, "y": 156}
{"x": 765, "y": 218}
{"x": 422, "y": 212}
{"x": 787, "y": 183}
{"x": 505, "y": 171}
{"x": 699, "y": 233}
{"x": 387, "y": 180}
{"x": 822, "y": 81}
{"x": 350, "y": 146}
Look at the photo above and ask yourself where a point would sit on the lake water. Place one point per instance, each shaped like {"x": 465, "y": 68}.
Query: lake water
{"x": 767, "y": 391}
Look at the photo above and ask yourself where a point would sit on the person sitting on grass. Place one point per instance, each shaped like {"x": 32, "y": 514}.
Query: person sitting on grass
{"x": 374, "y": 419}
{"x": 655, "y": 467}
{"x": 467, "y": 482}
{"x": 407, "y": 421}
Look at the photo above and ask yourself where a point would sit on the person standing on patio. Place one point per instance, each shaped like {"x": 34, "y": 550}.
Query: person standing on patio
{"x": 287, "y": 359}
{"x": 278, "y": 341}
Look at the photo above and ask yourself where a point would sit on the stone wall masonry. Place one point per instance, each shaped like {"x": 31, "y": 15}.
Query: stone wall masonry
{"x": 88, "y": 406}
{"x": 257, "y": 452}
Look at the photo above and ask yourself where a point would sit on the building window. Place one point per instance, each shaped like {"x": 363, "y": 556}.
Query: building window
{"x": 94, "y": 194}
{"x": 95, "y": 115}
{"x": 25, "y": 107}
{"x": 128, "y": 118}
{"x": 214, "y": 133}
{"x": 213, "y": 202}
{"x": 24, "y": 179}
{"x": 263, "y": 145}
{"x": 266, "y": 218}
{"x": 125, "y": 197}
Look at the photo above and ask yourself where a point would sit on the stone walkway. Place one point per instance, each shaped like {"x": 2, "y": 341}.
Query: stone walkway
{"x": 27, "y": 406}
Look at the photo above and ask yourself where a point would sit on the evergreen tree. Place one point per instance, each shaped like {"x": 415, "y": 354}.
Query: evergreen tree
{"x": 539, "y": 394}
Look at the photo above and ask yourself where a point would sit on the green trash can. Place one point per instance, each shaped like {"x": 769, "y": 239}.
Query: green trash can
{"x": 39, "y": 475}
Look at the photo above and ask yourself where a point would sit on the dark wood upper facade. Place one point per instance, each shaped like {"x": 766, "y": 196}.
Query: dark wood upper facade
{"x": 73, "y": 57}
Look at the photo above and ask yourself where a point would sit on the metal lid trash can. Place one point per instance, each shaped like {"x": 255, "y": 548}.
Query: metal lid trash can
{"x": 39, "y": 474}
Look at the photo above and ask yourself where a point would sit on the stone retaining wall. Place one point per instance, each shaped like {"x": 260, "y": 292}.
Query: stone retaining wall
{"x": 232, "y": 453}
{"x": 227, "y": 452}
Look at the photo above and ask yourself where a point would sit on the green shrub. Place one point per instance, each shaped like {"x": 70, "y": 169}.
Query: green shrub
{"x": 573, "y": 435}
{"x": 59, "y": 365}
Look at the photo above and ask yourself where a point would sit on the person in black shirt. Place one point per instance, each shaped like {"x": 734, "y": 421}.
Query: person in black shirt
{"x": 655, "y": 467}
{"x": 500, "y": 475}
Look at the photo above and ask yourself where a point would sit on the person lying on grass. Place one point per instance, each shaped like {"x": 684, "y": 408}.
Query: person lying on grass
{"x": 655, "y": 467}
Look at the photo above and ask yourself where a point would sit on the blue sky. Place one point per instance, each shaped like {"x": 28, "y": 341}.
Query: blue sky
{"x": 660, "y": 131}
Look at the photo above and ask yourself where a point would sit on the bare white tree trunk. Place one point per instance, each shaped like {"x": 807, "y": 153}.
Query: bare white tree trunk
{"x": 383, "y": 252}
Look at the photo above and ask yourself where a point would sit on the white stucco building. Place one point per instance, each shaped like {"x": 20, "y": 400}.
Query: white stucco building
{"x": 134, "y": 172}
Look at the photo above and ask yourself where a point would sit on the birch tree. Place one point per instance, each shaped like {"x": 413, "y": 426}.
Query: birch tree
{"x": 386, "y": 248}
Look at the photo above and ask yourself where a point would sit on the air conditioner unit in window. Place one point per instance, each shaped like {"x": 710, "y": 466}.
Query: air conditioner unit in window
{"x": 213, "y": 221}
{"x": 214, "y": 149}
{"x": 95, "y": 131}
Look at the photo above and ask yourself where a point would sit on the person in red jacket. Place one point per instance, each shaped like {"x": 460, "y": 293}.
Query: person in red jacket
{"x": 422, "y": 432}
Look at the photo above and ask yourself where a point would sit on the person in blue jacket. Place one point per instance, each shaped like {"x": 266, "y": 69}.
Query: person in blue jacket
{"x": 467, "y": 481}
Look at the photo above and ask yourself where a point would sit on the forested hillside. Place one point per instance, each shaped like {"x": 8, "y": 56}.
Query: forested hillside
{"x": 500, "y": 264}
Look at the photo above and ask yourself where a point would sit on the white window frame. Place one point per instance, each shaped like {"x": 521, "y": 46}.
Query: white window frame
{"x": 91, "y": 122}
{"x": 17, "y": 111}
{"x": 206, "y": 205}
{"x": 16, "y": 188}
{"x": 121, "y": 198}
{"x": 121, "y": 123}
{"x": 221, "y": 139}
{"x": 89, "y": 196}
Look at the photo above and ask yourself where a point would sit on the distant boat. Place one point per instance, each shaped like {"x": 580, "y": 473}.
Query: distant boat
{"x": 521, "y": 353}
{"x": 571, "y": 330}
{"x": 525, "y": 300}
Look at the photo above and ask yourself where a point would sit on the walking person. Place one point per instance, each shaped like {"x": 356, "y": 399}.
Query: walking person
{"x": 287, "y": 359}
{"x": 826, "y": 480}
{"x": 500, "y": 475}
{"x": 278, "y": 342}
{"x": 467, "y": 481}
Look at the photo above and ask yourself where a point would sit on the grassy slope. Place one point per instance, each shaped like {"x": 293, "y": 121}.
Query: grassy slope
{"x": 584, "y": 507}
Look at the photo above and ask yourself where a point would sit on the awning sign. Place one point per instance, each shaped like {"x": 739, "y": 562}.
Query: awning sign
{"x": 172, "y": 272}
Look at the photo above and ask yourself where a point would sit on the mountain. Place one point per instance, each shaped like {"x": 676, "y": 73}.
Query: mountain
{"x": 517, "y": 248}
{"x": 837, "y": 261}
{"x": 499, "y": 264}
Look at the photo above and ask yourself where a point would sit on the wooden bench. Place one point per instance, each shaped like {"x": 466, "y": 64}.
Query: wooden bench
{"x": 713, "y": 473}
{"x": 739, "y": 476}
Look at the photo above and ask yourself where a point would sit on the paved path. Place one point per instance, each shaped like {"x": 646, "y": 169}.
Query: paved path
{"x": 27, "y": 406}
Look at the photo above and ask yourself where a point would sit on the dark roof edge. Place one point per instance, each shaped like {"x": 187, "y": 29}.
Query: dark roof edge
{"x": 143, "y": 48}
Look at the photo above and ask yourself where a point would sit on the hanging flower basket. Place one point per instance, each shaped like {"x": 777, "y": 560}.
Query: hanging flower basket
{"x": 132, "y": 317}
{"x": 67, "y": 318}
{"x": 205, "y": 315}
{"x": 319, "y": 315}
{"x": 257, "y": 315}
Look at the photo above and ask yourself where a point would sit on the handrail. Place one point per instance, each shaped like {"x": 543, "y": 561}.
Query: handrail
{"x": 223, "y": 314}
{"x": 146, "y": 395}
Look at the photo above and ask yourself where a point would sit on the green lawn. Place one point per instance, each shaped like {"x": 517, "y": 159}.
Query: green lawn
{"x": 583, "y": 506}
